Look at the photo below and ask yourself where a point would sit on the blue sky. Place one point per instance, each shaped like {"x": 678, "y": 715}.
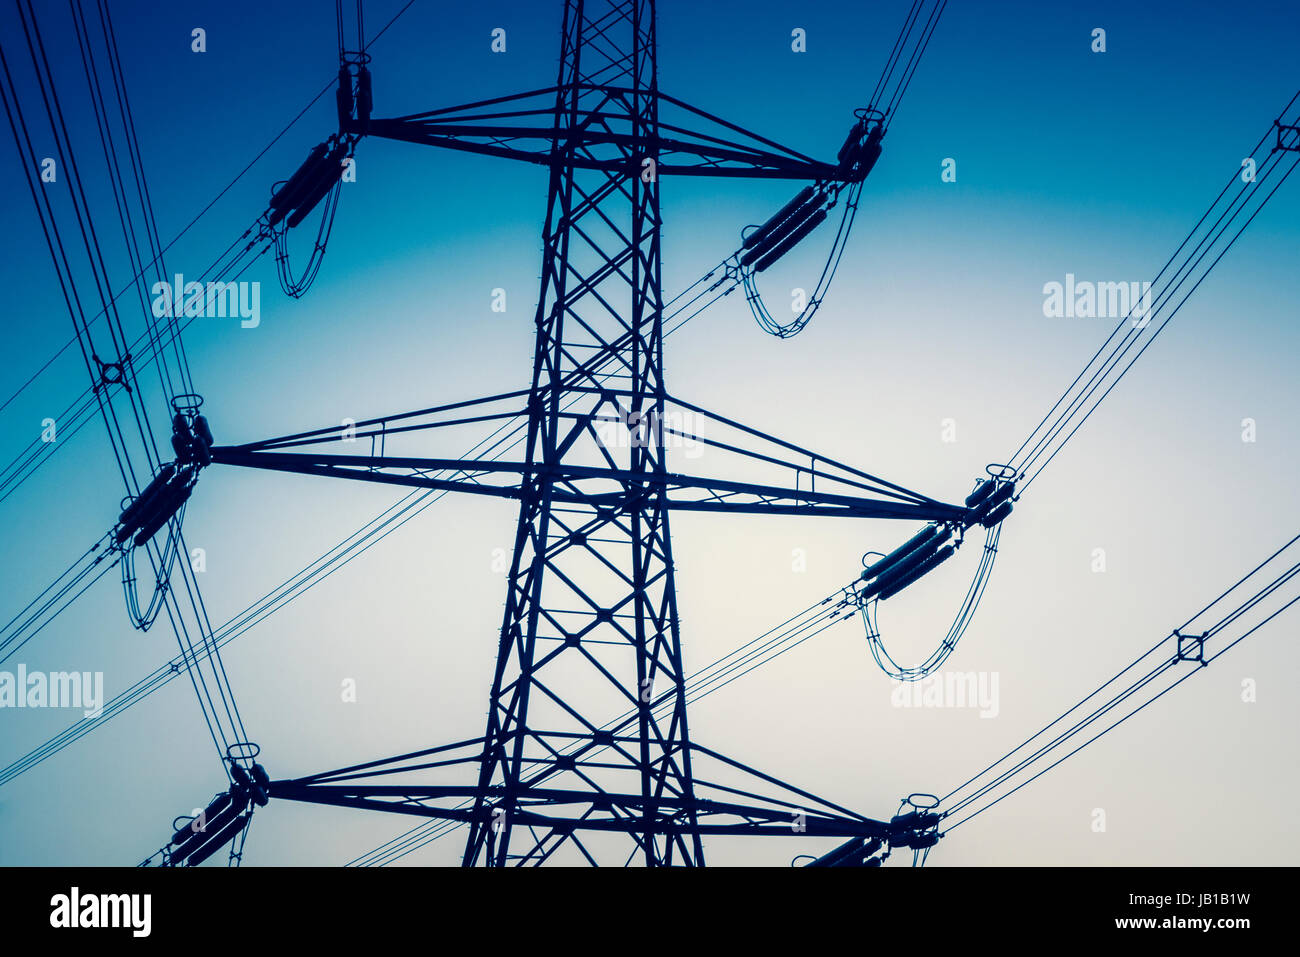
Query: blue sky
{"x": 1068, "y": 161}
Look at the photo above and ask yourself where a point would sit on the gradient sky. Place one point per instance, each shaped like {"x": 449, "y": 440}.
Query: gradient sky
{"x": 1067, "y": 161}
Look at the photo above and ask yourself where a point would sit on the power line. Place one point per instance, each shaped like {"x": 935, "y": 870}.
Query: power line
{"x": 985, "y": 789}
{"x": 1045, "y": 437}
{"x": 202, "y": 212}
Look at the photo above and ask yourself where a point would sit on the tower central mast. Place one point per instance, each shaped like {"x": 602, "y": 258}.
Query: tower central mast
{"x": 591, "y": 605}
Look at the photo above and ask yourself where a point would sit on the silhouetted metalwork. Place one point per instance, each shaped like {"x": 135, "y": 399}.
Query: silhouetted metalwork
{"x": 590, "y": 628}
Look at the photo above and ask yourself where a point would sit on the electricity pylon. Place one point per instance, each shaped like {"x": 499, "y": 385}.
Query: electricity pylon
{"x": 587, "y": 741}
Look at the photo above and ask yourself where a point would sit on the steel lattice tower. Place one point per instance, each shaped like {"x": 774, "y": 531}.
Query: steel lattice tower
{"x": 587, "y": 746}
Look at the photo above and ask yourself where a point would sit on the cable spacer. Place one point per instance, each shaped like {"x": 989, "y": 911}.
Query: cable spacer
{"x": 1188, "y": 643}
{"x": 112, "y": 373}
{"x": 1289, "y": 146}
